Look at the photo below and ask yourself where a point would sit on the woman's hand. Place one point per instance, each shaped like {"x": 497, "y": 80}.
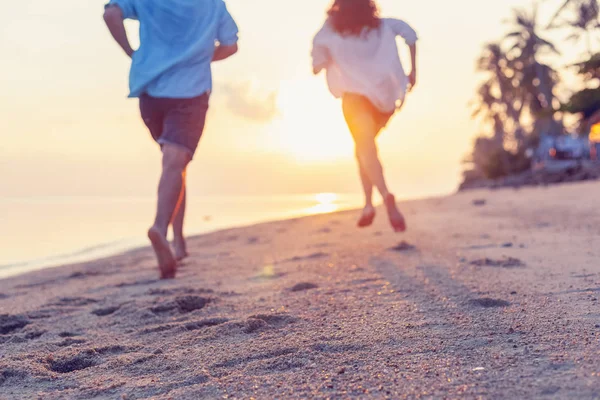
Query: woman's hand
{"x": 412, "y": 78}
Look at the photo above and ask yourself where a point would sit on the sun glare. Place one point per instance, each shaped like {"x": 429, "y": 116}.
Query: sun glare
{"x": 311, "y": 127}
{"x": 326, "y": 198}
{"x": 326, "y": 203}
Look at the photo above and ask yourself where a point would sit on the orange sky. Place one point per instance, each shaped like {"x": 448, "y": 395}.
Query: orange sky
{"x": 68, "y": 128}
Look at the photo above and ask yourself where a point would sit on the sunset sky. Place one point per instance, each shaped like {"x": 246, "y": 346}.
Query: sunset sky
{"x": 273, "y": 128}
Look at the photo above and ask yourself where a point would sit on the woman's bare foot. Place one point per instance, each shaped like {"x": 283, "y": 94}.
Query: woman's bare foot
{"x": 367, "y": 217}
{"x": 180, "y": 247}
{"x": 396, "y": 218}
{"x": 166, "y": 261}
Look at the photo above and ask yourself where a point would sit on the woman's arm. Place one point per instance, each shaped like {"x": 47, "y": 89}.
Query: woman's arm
{"x": 413, "y": 73}
{"x": 409, "y": 35}
{"x": 320, "y": 52}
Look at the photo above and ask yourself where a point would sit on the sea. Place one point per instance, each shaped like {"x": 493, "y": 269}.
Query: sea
{"x": 43, "y": 232}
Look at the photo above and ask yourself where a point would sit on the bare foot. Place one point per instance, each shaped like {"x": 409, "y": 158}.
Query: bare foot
{"x": 396, "y": 218}
{"x": 180, "y": 249}
{"x": 367, "y": 217}
{"x": 166, "y": 261}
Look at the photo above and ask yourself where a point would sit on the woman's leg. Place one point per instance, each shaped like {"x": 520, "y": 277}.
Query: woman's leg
{"x": 364, "y": 129}
{"x": 368, "y": 213}
{"x": 366, "y": 183}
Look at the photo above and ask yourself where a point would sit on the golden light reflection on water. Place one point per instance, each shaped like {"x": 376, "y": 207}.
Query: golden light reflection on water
{"x": 326, "y": 203}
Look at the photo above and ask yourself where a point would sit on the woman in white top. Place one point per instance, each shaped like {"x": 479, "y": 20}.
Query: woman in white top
{"x": 359, "y": 52}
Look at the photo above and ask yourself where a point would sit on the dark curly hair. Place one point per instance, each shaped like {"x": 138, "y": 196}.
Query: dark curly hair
{"x": 351, "y": 17}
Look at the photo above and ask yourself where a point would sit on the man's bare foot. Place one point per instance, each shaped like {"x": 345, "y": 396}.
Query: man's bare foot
{"x": 367, "y": 217}
{"x": 396, "y": 218}
{"x": 180, "y": 249}
{"x": 166, "y": 261}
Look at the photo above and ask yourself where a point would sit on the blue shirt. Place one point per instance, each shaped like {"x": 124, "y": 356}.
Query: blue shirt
{"x": 177, "y": 44}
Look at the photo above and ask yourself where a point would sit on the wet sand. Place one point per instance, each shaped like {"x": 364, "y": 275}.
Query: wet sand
{"x": 489, "y": 295}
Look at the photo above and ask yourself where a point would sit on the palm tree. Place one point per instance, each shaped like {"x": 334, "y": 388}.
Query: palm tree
{"x": 586, "y": 20}
{"x": 518, "y": 89}
{"x": 536, "y": 80}
{"x": 497, "y": 96}
{"x": 496, "y": 104}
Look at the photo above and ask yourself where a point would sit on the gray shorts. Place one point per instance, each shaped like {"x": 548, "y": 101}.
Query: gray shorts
{"x": 179, "y": 122}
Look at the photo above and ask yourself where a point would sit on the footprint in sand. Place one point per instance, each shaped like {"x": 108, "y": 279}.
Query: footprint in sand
{"x": 34, "y": 333}
{"x": 157, "y": 329}
{"x": 68, "y": 334}
{"x": 11, "y": 323}
{"x": 260, "y": 322}
{"x": 303, "y": 286}
{"x": 276, "y": 320}
{"x": 12, "y": 375}
{"x": 74, "y": 362}
{"x": 103, "y": 312}
{"x": 479, "y": 202}
{"x": 73, "y": 302}
{"x": 489, "y": 303}
{"x": 137, "y": 283}
{"x": 508, "y": 262}
{"x": 84, "y": 274}
{"x": 403, "y": 247}
{"x": 183, "y": 304}
{"x": 70, "y": 342}
{"x": 44, "y": 313}
{"x": 180, "y": 290}
{"x": 313, "y": 256}
{"x": 254, "y": 325}
{"x": 187, "y": 304}
{"x": 204, "y": 323}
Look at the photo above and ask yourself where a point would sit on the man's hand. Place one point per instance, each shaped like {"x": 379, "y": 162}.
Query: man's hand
{"x": 223, "y": 52}
{"x": 113, "y": 17}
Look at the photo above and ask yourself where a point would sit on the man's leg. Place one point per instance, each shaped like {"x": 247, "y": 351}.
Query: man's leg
{"x": 178, "y": 219}
{"x": 175, "y": 160}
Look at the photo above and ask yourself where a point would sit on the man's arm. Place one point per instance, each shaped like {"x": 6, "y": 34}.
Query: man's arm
{"x": 227, "y": 36}
{"x": 413, "y": 74}
{"x": 113, "y": 16}
{"x": 223, "y": 52}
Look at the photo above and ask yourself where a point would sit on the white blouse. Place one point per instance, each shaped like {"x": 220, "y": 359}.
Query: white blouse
{"x": 368, "y": 64}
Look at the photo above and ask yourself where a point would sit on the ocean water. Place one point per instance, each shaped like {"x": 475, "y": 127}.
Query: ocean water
{"x": 41, "y": 232}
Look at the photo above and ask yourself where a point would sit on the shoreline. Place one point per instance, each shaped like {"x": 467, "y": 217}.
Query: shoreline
{"x": 300, "y": 205}
{"x": 489, "y": 294}
{"x": 94, "y": 252}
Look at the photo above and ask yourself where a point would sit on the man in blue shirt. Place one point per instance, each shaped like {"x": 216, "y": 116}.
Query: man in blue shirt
{"x": 171, "y": 76}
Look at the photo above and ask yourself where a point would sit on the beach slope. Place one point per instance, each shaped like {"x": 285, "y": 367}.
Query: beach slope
{"x": 489, "y": 295}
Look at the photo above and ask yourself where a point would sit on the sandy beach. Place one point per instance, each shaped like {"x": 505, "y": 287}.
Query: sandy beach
{"x": 491, "y": 294}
